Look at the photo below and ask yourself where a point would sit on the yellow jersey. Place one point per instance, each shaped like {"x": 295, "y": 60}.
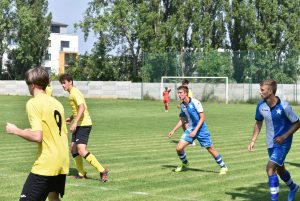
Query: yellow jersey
{"x": 46, "y": 114}
{"x": 190, "y": 94}
{"x": 49, "y": 90}
{"x": 76, "y": 98}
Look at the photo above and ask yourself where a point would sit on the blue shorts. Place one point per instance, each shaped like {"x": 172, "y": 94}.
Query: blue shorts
{"x": 278, "y": 154}
{"x": 203, "y": 138}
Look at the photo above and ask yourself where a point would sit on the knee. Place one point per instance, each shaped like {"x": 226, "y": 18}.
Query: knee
{"x": 270, "y": 171}
{"x": 179, "y": 150}
{"x": 73, "y": 150}
{"x": 82, "y": 151}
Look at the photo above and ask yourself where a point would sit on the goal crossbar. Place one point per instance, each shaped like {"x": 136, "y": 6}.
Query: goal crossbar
{"x": 196, "y": 77}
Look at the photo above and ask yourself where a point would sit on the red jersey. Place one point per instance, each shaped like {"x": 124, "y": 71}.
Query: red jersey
{"x": 166, "y": 95}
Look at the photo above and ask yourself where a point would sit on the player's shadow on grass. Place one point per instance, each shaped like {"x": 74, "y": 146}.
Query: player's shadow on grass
{"x": 173, "y": 167}
{"x": 73, "y": 174}
{"x": 175, "y": 141}
{"x": 293, "y": 164}
{"x": 259, "y": 192}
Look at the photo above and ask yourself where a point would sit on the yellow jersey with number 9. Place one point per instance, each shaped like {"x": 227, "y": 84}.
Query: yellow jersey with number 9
{"x": 46, "y": 114}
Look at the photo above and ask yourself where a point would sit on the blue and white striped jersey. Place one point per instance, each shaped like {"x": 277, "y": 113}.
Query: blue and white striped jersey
{"x": 279, "y": 120}
{"x": 191, "y": 111}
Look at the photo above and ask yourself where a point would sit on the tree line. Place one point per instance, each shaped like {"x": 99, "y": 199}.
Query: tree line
{"x": 142, "y": 40}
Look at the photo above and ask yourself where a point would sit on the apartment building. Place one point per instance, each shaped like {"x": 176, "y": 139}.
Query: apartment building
{"x": 62, "y": 49}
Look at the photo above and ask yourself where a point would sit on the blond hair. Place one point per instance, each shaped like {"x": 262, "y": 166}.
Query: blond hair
{"x": 271, "y": 83}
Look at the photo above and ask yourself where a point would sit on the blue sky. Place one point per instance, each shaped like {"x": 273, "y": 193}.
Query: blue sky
{"x": 70, "y": 12}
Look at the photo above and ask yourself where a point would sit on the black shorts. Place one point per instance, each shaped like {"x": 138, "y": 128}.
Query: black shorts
{"x": 37, "y": 187}
{"x": 81, "y": 135}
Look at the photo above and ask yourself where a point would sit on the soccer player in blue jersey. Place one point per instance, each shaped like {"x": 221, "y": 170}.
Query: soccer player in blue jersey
{"x": 197, "y": 129}
{"x": 281, "y": 123}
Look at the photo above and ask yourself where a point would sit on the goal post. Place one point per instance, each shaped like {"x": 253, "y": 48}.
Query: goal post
{"x": 180, "y": 78}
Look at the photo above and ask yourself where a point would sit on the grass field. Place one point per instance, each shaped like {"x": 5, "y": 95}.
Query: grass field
{"x": 130, "y": 138}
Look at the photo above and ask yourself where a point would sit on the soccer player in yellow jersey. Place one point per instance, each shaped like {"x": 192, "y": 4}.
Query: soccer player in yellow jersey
{"x": 48, "y": 129}
{"x": 49, "y": 90}
{"x": 80, "y": 125}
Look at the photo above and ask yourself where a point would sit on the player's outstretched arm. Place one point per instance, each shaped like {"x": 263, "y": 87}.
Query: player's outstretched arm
{"x": 178, "y": 125}
{"x": 27, "y": 134}
{"x": 256, "y": 131}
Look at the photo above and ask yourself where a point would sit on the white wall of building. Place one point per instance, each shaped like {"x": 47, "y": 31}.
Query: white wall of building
{"x": 55, "y": 48}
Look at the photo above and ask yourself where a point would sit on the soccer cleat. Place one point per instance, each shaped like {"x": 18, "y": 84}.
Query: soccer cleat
{"x": 80, "y": 177}
{"x": 182, "y": 166}
{"x": 223, "y": 170}
{"x": 292, "y": 193}
{"x": 103, "y": 175}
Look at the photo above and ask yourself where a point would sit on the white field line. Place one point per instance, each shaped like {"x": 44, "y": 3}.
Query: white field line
{"x": 134, "y": 192}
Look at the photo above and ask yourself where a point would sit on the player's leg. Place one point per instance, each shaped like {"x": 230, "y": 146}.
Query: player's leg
{"x": 53, "y": 196}
{"x": 273, "y": 180}
{"x": 35, "y": 188}
{"x": 166, "y": 105}
{"x": 77, "y": 157}
{"x": 84, "y": 132}
{"x": 183, "y": 142}
{"x": 218, "y": 159}
{"x": 285, "y": 175}
{"x": 56, "y": 187}
{"x": 182, "y": 155}
{"x": 205, "y": 141}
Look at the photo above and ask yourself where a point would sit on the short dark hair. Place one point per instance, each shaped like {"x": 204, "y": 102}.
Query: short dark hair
{"x": 185, "y": 82}
{"x": 65, "y": 76}
{"x": 184, "y": 88}
{"x": 37, "y": 76}
{"x": 271, "y": 83}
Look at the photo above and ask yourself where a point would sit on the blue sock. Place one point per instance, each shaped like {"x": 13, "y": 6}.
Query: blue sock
{"x": 274, "y": 186}
{"x": 182, "y": 157}
{"x": 220, "y": 161}
{"x": 288, "y": 180}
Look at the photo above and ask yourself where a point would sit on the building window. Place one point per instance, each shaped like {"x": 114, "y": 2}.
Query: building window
{"x": 70, "y": 58}
{"x": 55, "y": 29}
{"x": 49, "y": 43}
{"x": 64, "y": 44}
{"x": 48, "y": 56}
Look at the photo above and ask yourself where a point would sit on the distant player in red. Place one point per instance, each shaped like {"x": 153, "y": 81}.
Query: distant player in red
{"x": 166, "y": 95}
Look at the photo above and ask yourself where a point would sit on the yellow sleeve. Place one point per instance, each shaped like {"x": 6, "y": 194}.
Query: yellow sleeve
{"x": 49, "y": 90}
{"x": 34, "y": 116}
{"x": 78, "y": 97}
{"x": 190, "y": 93}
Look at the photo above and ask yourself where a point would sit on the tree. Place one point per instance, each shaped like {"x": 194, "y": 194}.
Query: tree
{"x": 32, "y": 33}
{"x": 269, "y": 30}
{"x": 117, "y": 22}
{"x": 6, "y": 28}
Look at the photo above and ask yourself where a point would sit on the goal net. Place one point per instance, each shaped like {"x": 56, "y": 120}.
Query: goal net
{"x": 203, "y": 88}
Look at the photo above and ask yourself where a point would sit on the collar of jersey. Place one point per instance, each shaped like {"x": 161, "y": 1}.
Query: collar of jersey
{"x": 278, "y": 102}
